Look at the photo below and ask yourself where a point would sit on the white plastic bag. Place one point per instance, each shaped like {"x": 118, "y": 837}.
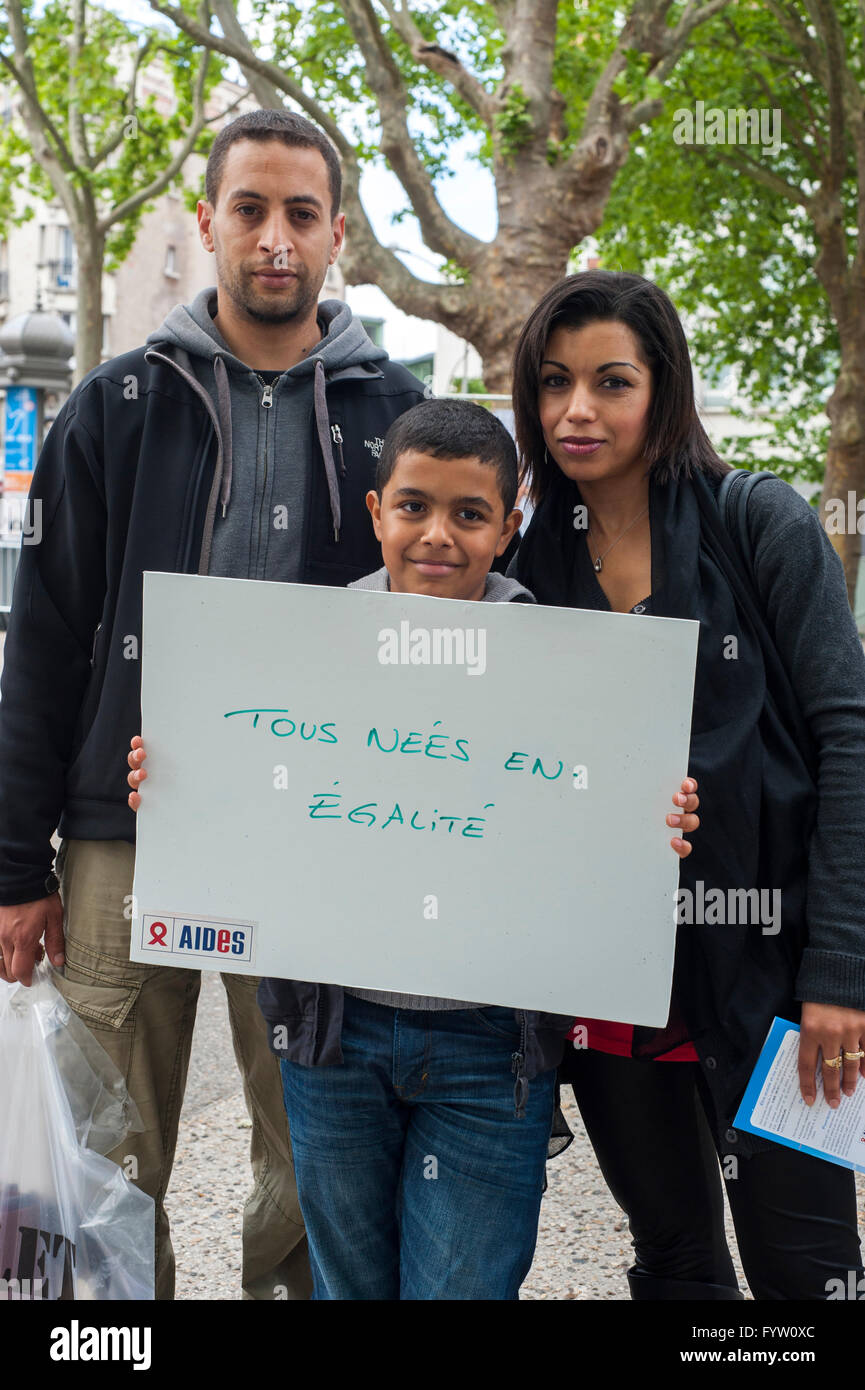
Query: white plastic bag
{"x": 72, "y": 1225}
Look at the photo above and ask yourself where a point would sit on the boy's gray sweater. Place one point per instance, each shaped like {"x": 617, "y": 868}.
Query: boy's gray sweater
{"x": 498, "y": 589}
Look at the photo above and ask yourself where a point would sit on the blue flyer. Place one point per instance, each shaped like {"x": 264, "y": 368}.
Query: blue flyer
{"x": 772, "y": 1105}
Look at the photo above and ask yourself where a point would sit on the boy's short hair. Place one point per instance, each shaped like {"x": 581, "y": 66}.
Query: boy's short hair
{"x": 452, "y": 430}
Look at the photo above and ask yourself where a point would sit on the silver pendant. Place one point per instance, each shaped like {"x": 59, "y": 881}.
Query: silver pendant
{"x": 599, "y": 564}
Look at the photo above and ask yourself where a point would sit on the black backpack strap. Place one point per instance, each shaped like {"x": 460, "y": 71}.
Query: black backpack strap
{"x": 732, "y": 547}
{"x": 732, "y": 497}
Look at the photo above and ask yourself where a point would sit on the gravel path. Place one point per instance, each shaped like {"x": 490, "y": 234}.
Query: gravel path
{"x": 583, "y": 1250}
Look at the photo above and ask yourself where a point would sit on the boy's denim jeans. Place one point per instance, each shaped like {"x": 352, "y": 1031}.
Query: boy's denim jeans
{"x": 415, "y": 1179}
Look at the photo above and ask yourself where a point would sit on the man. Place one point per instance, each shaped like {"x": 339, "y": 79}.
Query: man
{"x": 240, "y": 441}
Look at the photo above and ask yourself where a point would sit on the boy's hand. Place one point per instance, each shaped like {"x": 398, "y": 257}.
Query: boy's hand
{"x": 135, "y": 760}
{"x": 686, "y": 803}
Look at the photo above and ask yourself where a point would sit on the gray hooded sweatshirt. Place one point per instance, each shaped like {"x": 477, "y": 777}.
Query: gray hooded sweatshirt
{"x": 499, "y": 589}
{"x": 268, "y": 422}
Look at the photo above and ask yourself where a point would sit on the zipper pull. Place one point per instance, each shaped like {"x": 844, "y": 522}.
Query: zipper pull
{"x": 267, "y": 394}
{"x": 336, "y": 432}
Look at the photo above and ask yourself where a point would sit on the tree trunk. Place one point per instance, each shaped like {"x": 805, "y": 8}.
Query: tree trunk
{"x": 515, "y": 273}
{"x": 845, "y": 458}
{"x": 90, "y": 247}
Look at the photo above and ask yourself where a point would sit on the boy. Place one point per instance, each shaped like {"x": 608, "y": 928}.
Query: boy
{"x": 419, "y": 1162}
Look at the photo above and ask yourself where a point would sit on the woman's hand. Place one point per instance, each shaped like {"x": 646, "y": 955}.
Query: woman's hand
{"x": 135, "y": 760}
{"x": 832, "y": 1030}
{"x": 686, "y": 803}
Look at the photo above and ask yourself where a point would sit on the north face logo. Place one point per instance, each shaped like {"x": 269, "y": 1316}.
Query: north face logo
{"x": 375, "y": 446}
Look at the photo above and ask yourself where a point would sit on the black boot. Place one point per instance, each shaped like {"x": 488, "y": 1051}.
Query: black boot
{"x": 651, "y": 1287}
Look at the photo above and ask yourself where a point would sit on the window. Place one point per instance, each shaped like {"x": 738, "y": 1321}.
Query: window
{"x": 421, "y": 367}
{"x": 61, "y": 264}
{"x": 717, "y": 388}
{"x": 375, "y": 330}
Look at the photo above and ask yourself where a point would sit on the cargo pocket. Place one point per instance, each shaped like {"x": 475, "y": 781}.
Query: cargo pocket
{"x": 105, "y": 1005}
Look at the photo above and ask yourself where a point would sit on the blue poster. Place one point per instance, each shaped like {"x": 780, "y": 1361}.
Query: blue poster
{"x": 19, "y": 434}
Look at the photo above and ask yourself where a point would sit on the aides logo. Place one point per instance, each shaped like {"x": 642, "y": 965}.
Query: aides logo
{"x": 197, "y": 936}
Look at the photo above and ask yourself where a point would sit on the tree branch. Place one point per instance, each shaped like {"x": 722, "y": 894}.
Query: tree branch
{"x": 243, "y": 54}
{"x": 810, "y": 153}
{"x": 364, "y": 259}
{"x": 774, "y": 182}
{"x": 797, "y": 33}
{"x": 57, "y": 161}
{"x": 384, "y": 77}
{"x": 675, "y": 42}
{"x": 528, "y": 55}
{"x": 110, "y": 145}
{"x": 162, "y": 180}
{"x": 77, "y": 131}
{"x": 268, "y": 96}
{"x": 826, "y": 21}
{"x": 441, "y": 61}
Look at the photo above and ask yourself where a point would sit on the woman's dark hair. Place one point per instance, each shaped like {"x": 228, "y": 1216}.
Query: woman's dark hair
{"x": 676, "y": 443}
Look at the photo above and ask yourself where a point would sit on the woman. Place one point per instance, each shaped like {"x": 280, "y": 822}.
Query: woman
{"x": 624, "y": 484}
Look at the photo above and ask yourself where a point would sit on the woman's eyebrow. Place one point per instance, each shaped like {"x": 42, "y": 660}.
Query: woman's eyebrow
{"x": 551, "y": 362}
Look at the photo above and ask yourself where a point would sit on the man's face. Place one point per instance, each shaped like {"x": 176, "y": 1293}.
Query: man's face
{"x": 271, "y": 229}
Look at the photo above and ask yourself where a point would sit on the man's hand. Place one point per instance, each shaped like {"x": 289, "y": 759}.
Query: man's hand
{"x": 21, "y": 930}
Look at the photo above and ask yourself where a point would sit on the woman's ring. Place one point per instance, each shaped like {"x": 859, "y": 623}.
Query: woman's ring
{"x": 848, "y": 1056}
{"x": 832, "y": 1061}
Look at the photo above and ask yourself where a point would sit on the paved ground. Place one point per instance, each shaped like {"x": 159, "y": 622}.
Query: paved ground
{"x": 583, "y": 1246}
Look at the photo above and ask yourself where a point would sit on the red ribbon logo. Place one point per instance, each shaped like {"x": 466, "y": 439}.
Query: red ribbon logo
{"x": 157, "y": 934}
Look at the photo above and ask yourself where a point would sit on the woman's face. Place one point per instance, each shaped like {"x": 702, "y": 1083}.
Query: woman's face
{"x": 593, "y": 401}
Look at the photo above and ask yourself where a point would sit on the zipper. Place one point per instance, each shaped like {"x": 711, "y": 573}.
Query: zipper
{"x": 267, "y": 404}
{"x": 518, "y": 1064}
{"x": 336, "y": 433}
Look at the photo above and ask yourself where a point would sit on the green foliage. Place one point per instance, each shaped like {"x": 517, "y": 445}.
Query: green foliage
{"x": 312, "y": 40}
{"x": 474, "y": 386}
{"x": 737, "y": 257}
{"x": 100, "y": 77}
{"x": 513, "y": 123}
{"x": 455, "y": 274}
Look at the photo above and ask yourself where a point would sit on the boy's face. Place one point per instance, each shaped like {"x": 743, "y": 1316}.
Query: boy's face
{"x": 441, "y": 523}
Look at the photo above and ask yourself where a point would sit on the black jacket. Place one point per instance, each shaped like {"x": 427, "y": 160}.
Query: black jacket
{"x": 127, "y": 481}
{"x": 778, "y": 748}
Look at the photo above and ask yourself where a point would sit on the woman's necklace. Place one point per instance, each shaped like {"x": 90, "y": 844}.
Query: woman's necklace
{"x": 598, "y": 560}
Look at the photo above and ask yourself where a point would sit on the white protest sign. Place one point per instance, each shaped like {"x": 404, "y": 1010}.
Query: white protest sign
{"x": 331, "y": 798}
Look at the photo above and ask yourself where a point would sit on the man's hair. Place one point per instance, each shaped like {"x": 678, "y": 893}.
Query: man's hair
{"x": 452, "y": 430}
{"x": 293, "y": 130}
